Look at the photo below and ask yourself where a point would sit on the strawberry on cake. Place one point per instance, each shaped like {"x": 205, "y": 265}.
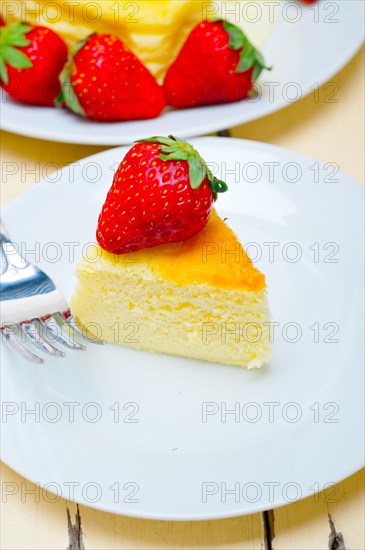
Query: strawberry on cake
{"x": 163, "y": 268}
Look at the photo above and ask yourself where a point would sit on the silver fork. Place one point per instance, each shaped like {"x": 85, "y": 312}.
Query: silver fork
{"x": 32, "y": 310}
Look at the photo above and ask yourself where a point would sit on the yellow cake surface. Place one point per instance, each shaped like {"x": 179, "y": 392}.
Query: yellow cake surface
{"x": 201, "y": 298}
{"x": 154, "y": 30}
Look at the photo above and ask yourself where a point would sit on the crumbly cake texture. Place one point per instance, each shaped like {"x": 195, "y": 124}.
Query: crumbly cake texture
{"x": 200, "y": 298}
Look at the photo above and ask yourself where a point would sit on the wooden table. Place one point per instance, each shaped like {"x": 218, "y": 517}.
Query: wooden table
{"x": 330, "y": 132}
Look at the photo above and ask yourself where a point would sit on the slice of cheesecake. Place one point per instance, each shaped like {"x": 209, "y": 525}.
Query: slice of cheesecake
{"x": 200, "y": 298}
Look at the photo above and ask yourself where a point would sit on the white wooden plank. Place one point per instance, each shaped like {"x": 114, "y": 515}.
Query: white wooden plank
{"x": 28, "y": 519}
{"x": 31, "y": 521}
{"x": 118, "y": 533}
{"x": 305, "y": 525}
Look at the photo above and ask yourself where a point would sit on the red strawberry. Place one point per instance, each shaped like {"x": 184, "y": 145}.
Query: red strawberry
{"x": 162, "y": 192}
{"x": 31, "y": 59}
{"x": 309, "y": 1}
{"x": 217, "y": 64}
{"x": 2, "y": 22}
{"x": 104, "y": 81}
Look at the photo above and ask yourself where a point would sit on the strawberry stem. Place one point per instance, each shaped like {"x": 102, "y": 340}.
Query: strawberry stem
{"x": 174, "y": 148}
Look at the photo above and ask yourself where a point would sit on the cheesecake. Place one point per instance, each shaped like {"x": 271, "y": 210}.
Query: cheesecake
{"x": 154, "y": 30}
{"x": 169, "y": 274}
{"x": 201, "y": 298}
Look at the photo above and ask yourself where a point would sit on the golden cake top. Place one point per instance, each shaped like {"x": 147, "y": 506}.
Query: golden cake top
{"x": 160, "y": 208}
{"x": 214, "y": 256}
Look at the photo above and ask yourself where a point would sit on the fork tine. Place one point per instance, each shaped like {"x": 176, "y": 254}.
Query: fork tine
{"x": 76, "y": 326}
{"x": 29, "y": 299}
{"x": 15, "y": 343}
{"x": 55, "y": 329}
{"x": 34, "y": 335}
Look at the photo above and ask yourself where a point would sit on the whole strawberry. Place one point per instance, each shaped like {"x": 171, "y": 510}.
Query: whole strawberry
{"x": 162, "y": 192}
{"x": 104, "y": 81}
{"x": 31, "y": 59}
{"x": 217, "y": 64}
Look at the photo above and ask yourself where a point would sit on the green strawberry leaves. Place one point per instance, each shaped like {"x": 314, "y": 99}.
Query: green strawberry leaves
{"x": 249, "y": 56}
{"x": 174, "y": 148}
{"x": 197, "y": 171}
{"x": 235, "y": 34}
{"x": 259, "y": 66}
{"x": 3, "y": 72}
{"x": 11, "y": 37}
{"x": 67, "y": 94}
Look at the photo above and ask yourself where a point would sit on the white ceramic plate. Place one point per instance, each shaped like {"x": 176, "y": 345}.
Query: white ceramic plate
{"x": 299, "y": 424}
{"x": 308, "y": 46}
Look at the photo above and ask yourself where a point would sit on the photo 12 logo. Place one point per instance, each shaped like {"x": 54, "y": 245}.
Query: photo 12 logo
{"x": 71, "y": 11}
{"x": 290, "y": 252}
{"x": 88, "y": 492}
{"x": 270, "y": 11}
{"x": 268, "y": 492}
{"x": 269, "y": 412}
{"x": 290, "y": 332}
{"x": 69, "y": 411}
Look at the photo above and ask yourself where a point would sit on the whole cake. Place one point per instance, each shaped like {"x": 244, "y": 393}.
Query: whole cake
{"x": 170, "y": 276}
{"x": 154, "y": 30}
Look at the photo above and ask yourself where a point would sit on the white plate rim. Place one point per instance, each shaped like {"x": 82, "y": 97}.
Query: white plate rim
{"x": 343, "y": 471}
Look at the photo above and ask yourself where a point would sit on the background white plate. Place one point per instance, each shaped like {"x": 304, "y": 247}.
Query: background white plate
{"x": 308, "y": 46}
{"x": 170, "y": 453}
